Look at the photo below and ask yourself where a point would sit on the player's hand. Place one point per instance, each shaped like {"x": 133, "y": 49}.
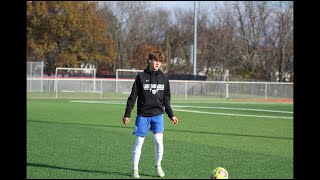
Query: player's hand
{"x": 174, "y": 120}
{"x": 125, "y": 120}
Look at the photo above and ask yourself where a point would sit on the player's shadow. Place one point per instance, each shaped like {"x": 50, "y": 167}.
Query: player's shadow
{"x": 81, "y": 124}
{"x": 79, "y": 170}
{"x": 83, "y": 170}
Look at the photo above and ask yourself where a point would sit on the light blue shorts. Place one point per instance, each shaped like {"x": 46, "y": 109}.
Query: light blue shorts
{"x": 142, "y": 125}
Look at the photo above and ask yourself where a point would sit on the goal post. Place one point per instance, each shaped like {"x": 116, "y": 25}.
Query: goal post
{"x": 127, "y": 74}
{"x": 74, "y": 80}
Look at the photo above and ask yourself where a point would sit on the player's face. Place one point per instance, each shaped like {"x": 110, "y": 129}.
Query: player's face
{"x": 156, "y": 64}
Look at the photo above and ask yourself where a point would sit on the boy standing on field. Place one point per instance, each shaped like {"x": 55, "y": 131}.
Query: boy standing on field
{"x": 153, "y": 91}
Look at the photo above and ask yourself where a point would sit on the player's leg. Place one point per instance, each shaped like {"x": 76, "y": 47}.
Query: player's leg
{"x": 136, "y": 153}
{"x": 140, "y": 130}
{"x": 157, "y": 127}
{"x": 158, "y": 148}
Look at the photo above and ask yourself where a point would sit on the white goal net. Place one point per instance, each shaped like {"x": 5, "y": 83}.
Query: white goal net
{"x": 75, "y": 80}
{"x": 125, "y": 79}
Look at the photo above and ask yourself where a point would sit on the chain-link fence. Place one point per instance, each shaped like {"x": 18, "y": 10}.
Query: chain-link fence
{"x": 35, "y": 76}
{"x": 112, "y": 89}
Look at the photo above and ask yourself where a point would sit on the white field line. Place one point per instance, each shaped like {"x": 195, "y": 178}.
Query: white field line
{"x": 201, "y": 112}
{"x": 241, "y": 109}
{"x": 227, "y": 114}
{"x": 199, "y": 102}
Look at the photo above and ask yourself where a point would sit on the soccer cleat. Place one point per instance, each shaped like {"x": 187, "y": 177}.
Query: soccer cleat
{"x": 135, "y": 174}
{"x": 160, "y": 171}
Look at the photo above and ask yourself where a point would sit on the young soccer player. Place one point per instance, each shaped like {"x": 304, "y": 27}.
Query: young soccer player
{"x": 153, "y": 92}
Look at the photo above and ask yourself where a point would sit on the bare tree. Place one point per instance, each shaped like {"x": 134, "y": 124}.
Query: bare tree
{"x": 181, "y": 38}
{"x": 282, "y": 40}
{"x": 217, "y": 42}
{"x": 125, "y": 13}
{"x": 254, "y": 40}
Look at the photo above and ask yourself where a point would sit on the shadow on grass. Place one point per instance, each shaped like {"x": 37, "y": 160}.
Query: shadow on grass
{"x": 198, "y": 132}
{"x": 82, "y": 170}
{"x": 74, "y": 169}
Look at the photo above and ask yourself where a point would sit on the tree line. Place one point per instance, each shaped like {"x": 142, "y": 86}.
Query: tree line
{"x": 252, "y": 40}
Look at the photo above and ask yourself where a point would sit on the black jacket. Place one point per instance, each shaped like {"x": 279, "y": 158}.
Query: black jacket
{"x": 153, "y": 91}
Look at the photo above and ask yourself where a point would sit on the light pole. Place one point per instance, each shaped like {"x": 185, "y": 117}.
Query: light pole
{"x": 195, "y": 41}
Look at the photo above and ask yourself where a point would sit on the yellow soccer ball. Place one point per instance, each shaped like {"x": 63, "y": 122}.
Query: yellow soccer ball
{"x": 219, "y": 173}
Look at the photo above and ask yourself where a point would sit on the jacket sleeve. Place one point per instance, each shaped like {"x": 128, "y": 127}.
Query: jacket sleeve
{"x": 167, "y": 99}
{"x": 132, "y": 98}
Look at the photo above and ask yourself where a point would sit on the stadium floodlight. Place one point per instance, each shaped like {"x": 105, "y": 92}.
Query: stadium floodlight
{"x": 128, "y": 72}
{"x": 74, "y": 80}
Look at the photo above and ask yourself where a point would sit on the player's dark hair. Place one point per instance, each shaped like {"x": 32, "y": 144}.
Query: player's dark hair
{"x": 155, "y": 55}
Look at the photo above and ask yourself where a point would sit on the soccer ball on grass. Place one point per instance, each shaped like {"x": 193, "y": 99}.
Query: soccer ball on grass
{"x": 219, "y": 173}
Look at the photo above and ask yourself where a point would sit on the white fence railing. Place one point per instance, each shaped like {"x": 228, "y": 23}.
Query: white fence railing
{"x": 110, "y": 88}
